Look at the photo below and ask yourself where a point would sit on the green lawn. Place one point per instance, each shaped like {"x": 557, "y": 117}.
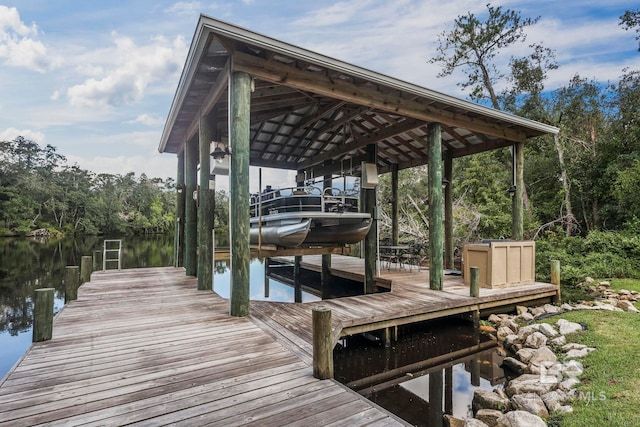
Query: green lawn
{"x": 611, "y": 380}
{"x": 628, "y": 284}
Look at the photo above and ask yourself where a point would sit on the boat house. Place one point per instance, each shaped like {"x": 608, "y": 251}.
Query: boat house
{"x": 258, "y": 101}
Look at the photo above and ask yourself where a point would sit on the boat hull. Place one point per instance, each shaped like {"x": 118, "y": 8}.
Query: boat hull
{"x": 289, "y": 235}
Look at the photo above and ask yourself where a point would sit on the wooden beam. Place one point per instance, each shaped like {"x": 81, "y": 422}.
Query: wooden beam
{"x": 371, "y": 239}
{"x": 448, "y": 211}
{"x": 180, "y": 207}
{"x": 394, "y": 204}
{"x": 205, "y": 206}
{"x": 239, "y": 133}
{"x": 190, "y": 225}
{"x": 435, "y": 207}
{"x": 321, "y": 84}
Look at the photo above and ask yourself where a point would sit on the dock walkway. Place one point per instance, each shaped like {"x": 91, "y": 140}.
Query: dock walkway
{"x": 145, "y": 347}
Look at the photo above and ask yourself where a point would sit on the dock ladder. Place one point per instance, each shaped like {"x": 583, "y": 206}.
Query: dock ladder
{"x": 112, "y": 247}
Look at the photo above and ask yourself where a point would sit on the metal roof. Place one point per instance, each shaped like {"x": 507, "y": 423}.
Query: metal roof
{"x": 308, "y": 108}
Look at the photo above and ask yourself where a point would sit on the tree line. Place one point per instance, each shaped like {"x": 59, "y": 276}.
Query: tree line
{"x": 40, "y": 191}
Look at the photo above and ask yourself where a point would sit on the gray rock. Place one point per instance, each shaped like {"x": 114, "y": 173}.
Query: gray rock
{"x": 488, "y": 416}
{"x": 526, "y": 317}
{"x": 529, "y": 383}
{"x": 521, "y": 309}
{"x": 554, "y": 399}
{"x": 573, "y": 346}
{"x": 566, "y": 307}
{"x": 472, "y": 422}
{"x": 627, "y": 306}
{"x": 504, "y": 331}
{"x": 565, "y": 409}
{"x": 538, "y": 311}
{"x": 567, "y": 327}
{"x": 494, "y": 318}
{"x": 530, "y": 402}
{"x": 536, "y": 340}
{"x": 548, "y": 330}
{"x": 525, "y": 354}
{"x": 451, "y": 421}
{"x": 624, "y": 292}
{"x": 525, "y": 331}
{"x": 579, "y": 354}
{"x": 569, "y": 384}
{"x": 561, "y": 340}
{"x": 510, "y": 324}
{"x": 604, "y": 283}
{"x": 551, "y": 309}
{"x": 485, "y": 399}
{"x": 515, "y": 365}
{"x": 520, "y": 419}
{"x": 542, "y": 355}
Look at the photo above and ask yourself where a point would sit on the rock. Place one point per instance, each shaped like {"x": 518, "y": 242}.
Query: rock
{"x": 551, "y": 309}
{"x": 503, "y": 332}
{"x": 569, "y": 384}
{"x": 604, "y": 283}
{"x": 565, "y": 409}
{"x": 525, "y": 354}
{"x": 538, "y": 311}
{"x": 525, "y": 331}
{"x": 561, "y": 340}
{"x": 510, "y": 324}
{"x": 530, "y": 402}
{"x": 542, "y": 355}
{"x": 520, "y": 419}
{"x": 627, "y": 306}
{"x": 572, "y": 369}
{"x": 494, "y": 318}
{"x": 578, "y": 354}
{"x": 566, "y": 307}
{"x": 548, "y": 330}
{"x": 472, "y": 422}
{"x": 573, "y": 346}
{"x": 488, "y": 416}
{"x": 451, "y": 421}
{"x": 485, "y": 399}
{"x": 521, "y": 309}
{"x": 529, "y": 383}
{"x": 526, "y": 317}
{"x": 624, "y": 292}
{"x": 567, "y": 327}
{"x": 554, "y": 400}
{"x": 515, "y": 365}
{"x": 536, "y": 340}
{"x": 589, "y": 280}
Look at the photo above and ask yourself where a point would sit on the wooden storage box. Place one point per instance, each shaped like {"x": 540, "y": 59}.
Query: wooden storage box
{"x": 502, "y": 263}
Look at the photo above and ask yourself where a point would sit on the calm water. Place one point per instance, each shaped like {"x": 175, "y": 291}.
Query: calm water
{"x": 433, "y": 368}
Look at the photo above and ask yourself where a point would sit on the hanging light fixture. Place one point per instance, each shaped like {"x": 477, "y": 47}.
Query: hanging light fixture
{"x": 220, "y": 151}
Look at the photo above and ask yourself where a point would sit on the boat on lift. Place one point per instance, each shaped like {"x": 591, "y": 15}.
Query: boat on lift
{"x": 301, "y": 216}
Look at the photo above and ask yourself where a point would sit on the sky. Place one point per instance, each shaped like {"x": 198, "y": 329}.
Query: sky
{"x": 96, "y": 78}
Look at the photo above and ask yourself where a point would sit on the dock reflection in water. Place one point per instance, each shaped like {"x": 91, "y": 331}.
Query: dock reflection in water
{"x": 433, "y": 369}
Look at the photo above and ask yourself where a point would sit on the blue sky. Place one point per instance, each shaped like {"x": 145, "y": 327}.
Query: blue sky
{"x": 96, "y": 78}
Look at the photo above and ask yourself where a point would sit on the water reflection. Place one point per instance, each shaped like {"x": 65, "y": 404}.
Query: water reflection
{"x": 433, "y": 369}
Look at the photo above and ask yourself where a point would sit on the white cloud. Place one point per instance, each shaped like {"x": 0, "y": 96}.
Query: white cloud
{"x": 184, "y": 8}
{"x": 17, "y": 46}
{"x": 146, "y": 120}
{"x": 127, "y": 71}
{"x": 55, "y": 95}
{"x": 10, "y": 134}
{"x": 154, "y": 166}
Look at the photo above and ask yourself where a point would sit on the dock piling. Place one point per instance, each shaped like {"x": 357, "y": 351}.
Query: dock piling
{"x": 85, "y": 269}
{"x": 474, "y": 286}
{"x": 322, "y": 343}
{"x": 555, "y": 277}
{"x": 71, "y": 283}
{"x": 43, "y": 314}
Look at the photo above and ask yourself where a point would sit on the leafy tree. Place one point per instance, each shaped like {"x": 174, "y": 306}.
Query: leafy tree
{"x": 631, "y": 19}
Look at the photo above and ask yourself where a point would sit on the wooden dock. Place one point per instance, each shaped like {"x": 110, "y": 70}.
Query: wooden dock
{"x": 145, "y": 347}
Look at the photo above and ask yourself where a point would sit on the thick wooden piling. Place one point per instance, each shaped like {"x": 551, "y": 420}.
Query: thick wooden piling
{"x": 239, "y": 133}
{"x": 474, "y": 285}
{"x": 85, "y": 269}
{"x": 435, "y": 207}
{"x": 517, "y": 224}
{"x": 371, "y": 239}
{"x": 555, "y": 277}
{"x": 71, "y": 283}
{"x": 96, "y": 260}
{"x": 180, "y": 210}
{"x": 394, "y": 204}
{"x": 190, "y": 211}
{"x": 436, "y": 398}
{"x": 43, "y": 314}
{"x": 448, "y": 211}
{"x": 322, "y": 343}
{"x": 205, "y": 207}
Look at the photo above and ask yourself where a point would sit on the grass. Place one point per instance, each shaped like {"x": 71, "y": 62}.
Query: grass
{"x": 628, "y": 284}
{"x": 610, "y": 388}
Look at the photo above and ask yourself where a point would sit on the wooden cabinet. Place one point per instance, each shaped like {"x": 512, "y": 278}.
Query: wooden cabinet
{"x": 502, "y": 263}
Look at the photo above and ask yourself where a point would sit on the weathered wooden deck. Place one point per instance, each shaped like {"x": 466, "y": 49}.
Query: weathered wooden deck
{"x": 145, "y": 347}
{"x": 409, "y": 301}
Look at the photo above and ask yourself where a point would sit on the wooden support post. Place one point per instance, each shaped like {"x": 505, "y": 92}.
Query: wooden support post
{"x": 239, "y": 115}
{"x": 96, "y": 260}
{"x": 43, "y": 314}
{"x": 448, "y": 390}
{"x": 435, "y": 207}
{"x": 266, "y": 278}
{"x": 474, "y": 281}
{"x": 555, "y": 278}
{"x": 180, "y": 210}
{"x": 325, "y": 275}
{"x": 394, "y": 204}
{"x": 71, "y": 283}
{"x": 517, "y": 224}
{"x": 371, "y": 239}
{"x": 190, "y": 211}
{"x": 436, "y": 395}
{"x": 205, "y": 206}
{"x": 322, "y": 343}
{"x": 387, "y": 337}
{"x": 85, "y": 269}
{"x": 297, "y": 289}
{"x": 475, "y": 372}
{"x": 449, "y": 261}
